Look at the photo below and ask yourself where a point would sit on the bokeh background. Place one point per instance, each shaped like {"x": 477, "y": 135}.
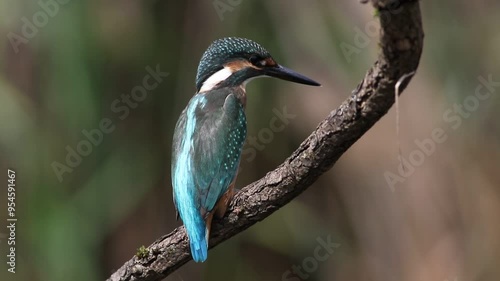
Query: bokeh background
{"x": 438, "y": 222}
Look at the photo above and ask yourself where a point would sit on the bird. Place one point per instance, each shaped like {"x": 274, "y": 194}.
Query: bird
{"x": 211, "y": 131}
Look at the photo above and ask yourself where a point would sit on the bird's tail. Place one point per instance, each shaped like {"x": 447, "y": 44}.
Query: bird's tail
{"x": 199, "y": 250}
{"x": 198, "y": 238}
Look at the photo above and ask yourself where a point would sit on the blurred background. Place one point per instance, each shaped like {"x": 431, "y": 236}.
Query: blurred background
{"x": 93, "y": 171}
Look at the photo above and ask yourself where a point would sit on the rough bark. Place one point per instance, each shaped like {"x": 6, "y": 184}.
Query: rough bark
{"x": 401, "y": 42}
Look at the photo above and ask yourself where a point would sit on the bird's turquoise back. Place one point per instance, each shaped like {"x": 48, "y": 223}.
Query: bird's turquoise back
{"x": 208, "y": 140}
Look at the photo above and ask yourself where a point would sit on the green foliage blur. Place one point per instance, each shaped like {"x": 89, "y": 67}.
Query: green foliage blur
{"x": 93, "y": 165}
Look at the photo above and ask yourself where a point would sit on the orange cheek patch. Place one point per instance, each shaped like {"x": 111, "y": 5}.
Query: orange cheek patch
{"x": 270, "y": 62}
{"x": 238, "y": 65}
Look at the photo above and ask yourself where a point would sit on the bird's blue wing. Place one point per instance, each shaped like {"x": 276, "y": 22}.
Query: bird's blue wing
{"x": 217, "y": 150}
{"x": 208, "y": 141}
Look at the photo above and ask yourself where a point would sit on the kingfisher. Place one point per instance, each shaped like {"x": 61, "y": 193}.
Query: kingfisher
{"x": 211, "y": 131}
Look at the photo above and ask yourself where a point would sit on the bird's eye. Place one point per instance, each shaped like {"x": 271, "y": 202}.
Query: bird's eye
{"x": 257, "y": 61}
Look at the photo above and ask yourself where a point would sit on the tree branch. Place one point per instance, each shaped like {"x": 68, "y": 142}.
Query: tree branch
{"x": 401, "y": 44}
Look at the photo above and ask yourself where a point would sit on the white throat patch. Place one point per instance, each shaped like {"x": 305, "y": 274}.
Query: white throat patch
{"x": 215, "y": 79}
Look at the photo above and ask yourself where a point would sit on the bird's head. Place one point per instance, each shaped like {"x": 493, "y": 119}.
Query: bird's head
{"x": 231, "y": 61}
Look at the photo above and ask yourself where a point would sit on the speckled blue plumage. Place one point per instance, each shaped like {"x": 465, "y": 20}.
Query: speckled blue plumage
{"x": 223, "y": 50}
{"x": 207, "y": 145}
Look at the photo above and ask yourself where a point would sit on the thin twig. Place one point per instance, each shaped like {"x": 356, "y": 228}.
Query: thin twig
{"x": 396, "y": 99}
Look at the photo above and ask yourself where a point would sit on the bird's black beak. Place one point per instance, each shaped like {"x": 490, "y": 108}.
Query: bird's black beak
{"x": 284, "y": 73}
